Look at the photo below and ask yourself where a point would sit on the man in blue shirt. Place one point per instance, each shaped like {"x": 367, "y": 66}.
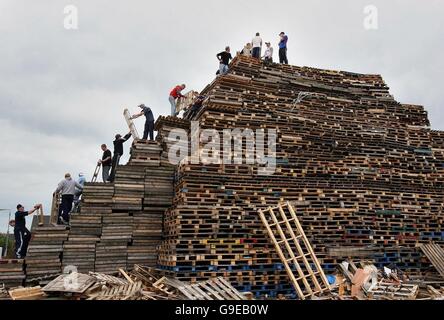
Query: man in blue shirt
{"x": 283, "y": 48}
{"x": 21, "y": 233}
{"x": 149, "y": 122}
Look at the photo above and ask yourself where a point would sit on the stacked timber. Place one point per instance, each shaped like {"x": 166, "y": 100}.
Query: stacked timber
{"x": 44, "y": 251}
{"x": 11, "y": 273}
{"x": 129, "y": 188}
{"x": 79, "y": 249}
{"x": 167, "y": 135}
{"x": 157, "y": 197}
{"x": 363, "y": 171}
{"x": 111, "y": 252}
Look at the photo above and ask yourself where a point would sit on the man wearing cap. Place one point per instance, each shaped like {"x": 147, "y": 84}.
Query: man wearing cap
{"x": 283, "y": 48}
{"x": 21, "y": 233}
{"x": 67, "y": 188}
{"x": 118, "y": 152}
{"x": 149, "y": 121}
{"x": 268, "y": 56}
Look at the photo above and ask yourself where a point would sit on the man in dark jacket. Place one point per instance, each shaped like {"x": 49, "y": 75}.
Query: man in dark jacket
{"x": 195, "y": 107}
{"x": 21, "y": 233}
{"x": 149, "y": 121}
{"x": 118, "y": 152}
{"x": 224, "y": 60}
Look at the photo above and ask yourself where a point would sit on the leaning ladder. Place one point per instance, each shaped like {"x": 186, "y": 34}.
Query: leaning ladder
{"x": 96, "y": 173}
{"x": 131, "y": 124}
{"x": 55, "y": 209}
{"x": 294, "y": 250}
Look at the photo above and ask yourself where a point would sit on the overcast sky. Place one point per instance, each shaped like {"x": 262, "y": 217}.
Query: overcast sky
{"x": 62, "y": 92}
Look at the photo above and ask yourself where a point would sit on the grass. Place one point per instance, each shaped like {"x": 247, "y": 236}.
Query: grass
{"x": 10, "y": 244}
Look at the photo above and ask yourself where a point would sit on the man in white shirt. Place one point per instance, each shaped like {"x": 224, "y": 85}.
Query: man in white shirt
{"x": 257, "y": 45}
{"x": 268, "y": 56}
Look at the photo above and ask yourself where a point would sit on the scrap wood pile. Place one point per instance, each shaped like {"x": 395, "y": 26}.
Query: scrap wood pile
{"x": 119, "y": 224}
{"x": 142, "y": 283}
{"x": 362, "y": 280}
{"x": 362, "y": 170}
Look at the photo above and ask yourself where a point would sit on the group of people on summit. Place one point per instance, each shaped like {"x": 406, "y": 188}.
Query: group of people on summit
{"x": 254, "y": 49}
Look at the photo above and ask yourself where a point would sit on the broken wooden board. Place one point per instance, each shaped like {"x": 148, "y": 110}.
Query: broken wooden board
{"x": 129, "y": 291}
{"x": 435, "y": 253}
{"x": 390, "y": 290}
{"x": 213, "y": 289}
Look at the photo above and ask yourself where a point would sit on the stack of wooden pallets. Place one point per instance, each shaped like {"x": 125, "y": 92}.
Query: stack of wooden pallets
{"x": 360, "y": 169}
{"x": 11, "y": 273}
{"x": 45, "y": 250}
{"x": 119, "y": 224}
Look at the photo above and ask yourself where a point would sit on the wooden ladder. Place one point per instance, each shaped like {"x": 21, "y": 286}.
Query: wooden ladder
{"x": 96, "y": 173}
{"x": 56, "y": 199}
{"x": 131, "y": 124}
{"x": 294, "y": 250}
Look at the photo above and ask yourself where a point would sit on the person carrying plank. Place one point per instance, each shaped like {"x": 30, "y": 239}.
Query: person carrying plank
{"x": 67, "y": 188}
{"x": 118, "y": 152}
{"x": 149, "y": 121}
{"x": 21, "y": 233}
{"x": 175, "y": 94}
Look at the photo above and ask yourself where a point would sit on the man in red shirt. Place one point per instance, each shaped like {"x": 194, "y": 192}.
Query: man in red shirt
{"x": 175, "y": 94}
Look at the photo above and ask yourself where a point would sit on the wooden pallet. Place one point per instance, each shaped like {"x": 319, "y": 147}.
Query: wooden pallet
{"x": 213, "y": 289}
{"x": 108, "y": 279}
{"x": 295, "y": 251}
{"x": 435, "y": 253}
{"x": 129, "y": 291}
{"x": 389, "y": 290}
{"x": 33, "y": 293}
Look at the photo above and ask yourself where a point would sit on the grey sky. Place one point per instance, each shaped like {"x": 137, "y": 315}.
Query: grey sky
{"x": 63, "y": 91}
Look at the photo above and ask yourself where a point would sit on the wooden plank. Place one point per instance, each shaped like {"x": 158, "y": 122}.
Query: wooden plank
{"x": 435, "y": 254}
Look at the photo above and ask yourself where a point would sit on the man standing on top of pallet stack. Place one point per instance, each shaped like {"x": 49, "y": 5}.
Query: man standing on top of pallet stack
{"x": 268, "y": 56}
{"x": 67, "y": 188}
{"x": 149, "y": 121}
{"x": 257, "y": 46}
{"x": 175, "y": 94}
{"x": 105, "y": 162}
{"x": 283, "y": 48}
{"x": 224, "y": 58}
{"x": 21, "y": 233}
{"x": 118, "y": 152}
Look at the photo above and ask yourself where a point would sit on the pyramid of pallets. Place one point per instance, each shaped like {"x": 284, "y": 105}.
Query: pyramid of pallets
{"x": 363, "y": 171}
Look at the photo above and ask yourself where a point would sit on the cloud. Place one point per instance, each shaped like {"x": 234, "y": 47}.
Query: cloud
{"x": 63, "y": 91}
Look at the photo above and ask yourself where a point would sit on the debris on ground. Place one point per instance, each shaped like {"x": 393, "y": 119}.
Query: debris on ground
{"x": 142, "y": 283}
